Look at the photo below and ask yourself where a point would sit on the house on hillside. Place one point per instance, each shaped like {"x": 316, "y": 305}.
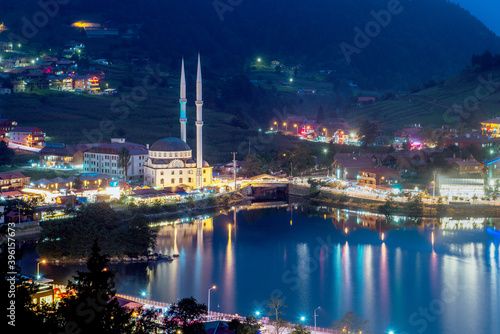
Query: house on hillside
{"x": 366, "y": 101}
{"x": 31, "y": 136}
{"x": 379, "y": 176}
{"x": 467, "y": 166}
{"x": 491, "y": 127}
{"x": 476, "y": 140}
{"x": 13, "y": 181}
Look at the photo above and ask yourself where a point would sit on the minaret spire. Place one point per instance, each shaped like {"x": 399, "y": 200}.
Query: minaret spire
{"x": 199, "y": 125}
{"x": 183, "y": 101}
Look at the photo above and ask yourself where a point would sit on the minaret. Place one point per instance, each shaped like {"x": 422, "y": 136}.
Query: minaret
{"x": 183, "y": 102}
{"x": 199, "y": 125}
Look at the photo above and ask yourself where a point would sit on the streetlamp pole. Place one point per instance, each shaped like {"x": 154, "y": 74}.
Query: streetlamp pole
{"x": 434, "y": 188}
{"x": 315, "y": 315}
{"x": 286, "y": 127}
{"x": 38, "y": 269}
{"x": 212, "y": 288}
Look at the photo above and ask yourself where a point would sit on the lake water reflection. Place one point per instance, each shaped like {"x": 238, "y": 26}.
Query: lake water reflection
{"x": 434, "y": 278}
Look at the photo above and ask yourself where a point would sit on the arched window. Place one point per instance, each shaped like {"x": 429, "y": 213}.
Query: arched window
{"x": 181, "y": 180}
{"x": 172, "y": 181}
{"x": 161, "y": 181}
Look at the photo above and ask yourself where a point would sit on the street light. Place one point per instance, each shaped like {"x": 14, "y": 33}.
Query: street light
{"x": 257, "y": 313}
{"x": 212, "y": 288}
{"x": 315, "y": 315}
{"x": 38, "y": 269}
{"x": 277, "y": 126}
{"x": 295, "y": 126}
{"x": 302, "y": 318}
{"x": 326, "y": 132}
{"x": 286, "y": 127}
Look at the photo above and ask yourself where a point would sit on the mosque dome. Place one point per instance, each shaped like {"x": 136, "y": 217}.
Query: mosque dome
{"x": 170, "y": 144}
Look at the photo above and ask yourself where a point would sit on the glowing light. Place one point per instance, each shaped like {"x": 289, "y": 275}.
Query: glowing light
{"x": 382, "y": 237}
{"x": 257, "y": 313}
{"x": 143, "y": 293}
{"x": 346, "y": 230}
{"x": 302, "y": 318}
{"x": 85, "y": 24}
{"x": 259, "y": 60}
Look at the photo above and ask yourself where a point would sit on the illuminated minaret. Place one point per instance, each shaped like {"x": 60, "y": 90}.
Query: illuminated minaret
{"x": 183, "y": 102}
{"x": 199, "y": 125}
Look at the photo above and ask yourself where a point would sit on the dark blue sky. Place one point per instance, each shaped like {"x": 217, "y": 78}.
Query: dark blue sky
{"x": 485, "y": 10}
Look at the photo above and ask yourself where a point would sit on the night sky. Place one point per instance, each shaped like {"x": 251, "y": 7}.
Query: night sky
{"x": 485, "y": 10}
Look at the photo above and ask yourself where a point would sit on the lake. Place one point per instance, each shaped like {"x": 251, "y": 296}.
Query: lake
{"x": 432, "y": 278}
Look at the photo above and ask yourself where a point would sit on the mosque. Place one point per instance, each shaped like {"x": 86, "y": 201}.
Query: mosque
{"x": 171, "y": 162}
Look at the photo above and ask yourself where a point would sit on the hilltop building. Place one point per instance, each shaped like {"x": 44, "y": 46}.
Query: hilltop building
{"x": 171, "y": 163}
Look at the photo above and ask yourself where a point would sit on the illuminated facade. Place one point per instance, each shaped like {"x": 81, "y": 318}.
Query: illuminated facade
{"x": 171, "y": 162}
{"x": 458, "y": 188}
{"x": 491, "y": 127}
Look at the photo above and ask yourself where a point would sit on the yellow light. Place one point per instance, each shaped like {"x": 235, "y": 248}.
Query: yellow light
{"x": 324, "y": 129}
{"x": 275, "y": 123}
{"x": 214, "y": 287}
{"x": 308, "y": 127}
{"x": 295, "y": 125}
{"x": 346, "y": 230}
{"x": 271, "y": 129}
{"x": 382, "y": 236}
{"x": 43, "y": 261}
{"x": 284, "y": 124}
{"x": 284, "y": 154}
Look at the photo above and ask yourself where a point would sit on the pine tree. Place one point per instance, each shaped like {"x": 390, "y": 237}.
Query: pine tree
{"x": 93, "y": 308}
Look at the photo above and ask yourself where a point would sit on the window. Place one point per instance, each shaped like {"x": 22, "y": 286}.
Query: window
{"x": 190, "y": 180}
{"x": 172, "y": 181}
{"x": 204, "y": 180}
{"x": 181, "y": 180}
{"x": 161, "y": 181}
{"x": 172, "y": 173}
{"x": 180, "y": 172}
{"x": 204, "y": 171}
{"x": 161, "y": 173}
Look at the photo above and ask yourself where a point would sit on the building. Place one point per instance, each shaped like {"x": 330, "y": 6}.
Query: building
{"x": 366, "y": 101}
{"x": 347, "y": 167}
{"x": 30, "y": 136}
{"x": 7, "y": 125}
{"x": 470, "y": 165}
{"x": 461, "y": 188}
{"x": 493, "y": 168}
{"x": 63, "y": 156}
{"x": 103, "y": 158}
{"x": 411, "y": 136}
{"x": 19, "y": 86}
{"x": 13, "y": 181}
{"x": 87, "y": 83}
{"x": 491, "y": 127}
{"x": 379, "y": 176}
{"x": 171, "y": 162}
{"x": 476, "y": 140}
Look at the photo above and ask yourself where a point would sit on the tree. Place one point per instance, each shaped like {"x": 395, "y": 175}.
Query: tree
{"x": 388, "y": 208}
{"x": 320, "y": 116}
{"x": 275, "y": 309}
{"x": 187, "y": 316}
{"x": 368, "y": 131}
{"x": 124, "y": 160}
{"x": 77, "y": 183}
{"x": 249, "y": 326}
{"x": 252, "y": 165}
{"x": 300, "y": 329}
{"x": 6, "y": 154}
{"x": 94, "y": 307}
{"x": 350, "y": 324}
{"x": 140, "y": 237}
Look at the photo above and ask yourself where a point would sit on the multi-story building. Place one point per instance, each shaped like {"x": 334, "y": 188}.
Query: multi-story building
{"x": 491, "y": 127}
{"x": 86, "y": 82}
{"x": 31, "y": 136}
{"x": 13, "y": 181}
{"x": 64, "y": 156}
{"x": 104, "y": 159}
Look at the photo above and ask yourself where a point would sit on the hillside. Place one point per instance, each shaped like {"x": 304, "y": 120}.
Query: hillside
{"x": 427, "y": 39}
{"x": 462, "y": 102}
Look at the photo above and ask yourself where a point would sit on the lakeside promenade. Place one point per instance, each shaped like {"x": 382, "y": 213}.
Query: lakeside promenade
{"x": 217, "y": 316}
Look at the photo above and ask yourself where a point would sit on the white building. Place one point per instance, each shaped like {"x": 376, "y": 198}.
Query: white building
{"x": 459, "y": 188}
{"x": 103, "y": 159}
{"x": 171, "y": 162}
